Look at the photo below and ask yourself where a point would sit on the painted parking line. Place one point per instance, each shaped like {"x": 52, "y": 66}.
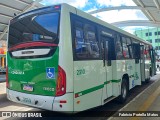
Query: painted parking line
{"x": 147, "y": 103}
{"x": 155, "y": 78}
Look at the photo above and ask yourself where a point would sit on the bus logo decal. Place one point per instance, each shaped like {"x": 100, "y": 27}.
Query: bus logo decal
{"x": 50, "y": 73}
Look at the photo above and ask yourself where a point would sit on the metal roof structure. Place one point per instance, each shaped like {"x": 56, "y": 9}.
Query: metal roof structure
{"x": 10, "y": 8}
{"x": 150, "y": 8}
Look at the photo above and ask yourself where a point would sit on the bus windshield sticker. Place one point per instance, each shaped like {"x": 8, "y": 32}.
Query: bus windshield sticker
{"x": 50, "y": 73}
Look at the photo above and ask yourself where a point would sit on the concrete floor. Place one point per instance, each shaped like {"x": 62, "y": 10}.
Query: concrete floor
{"x": 146, "y": 102}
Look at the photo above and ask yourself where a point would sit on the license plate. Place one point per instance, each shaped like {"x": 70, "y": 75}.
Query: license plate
{"x": 26, "y": 100}
{"x": 28, "y": 87}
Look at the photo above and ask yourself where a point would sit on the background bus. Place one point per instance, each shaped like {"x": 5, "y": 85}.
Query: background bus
{"x": 62, "y": 59}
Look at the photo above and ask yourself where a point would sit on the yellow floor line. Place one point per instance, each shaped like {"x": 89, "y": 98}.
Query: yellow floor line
{"x": 148, "y": 103}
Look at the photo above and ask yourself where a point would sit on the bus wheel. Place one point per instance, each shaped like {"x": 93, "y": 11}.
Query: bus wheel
{"x": 150, "y": 71}
{"x": 124, "y": 91}
{"x": 147, "y": 80}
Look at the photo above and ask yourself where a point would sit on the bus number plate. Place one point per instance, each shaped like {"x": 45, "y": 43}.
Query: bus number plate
{"x": 26, "y": 100}
{"x": 28, "y": 87}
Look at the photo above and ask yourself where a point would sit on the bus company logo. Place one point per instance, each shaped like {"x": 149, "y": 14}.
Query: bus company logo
{"x": 50, "y": 73}
{"x": 136, "y": 76}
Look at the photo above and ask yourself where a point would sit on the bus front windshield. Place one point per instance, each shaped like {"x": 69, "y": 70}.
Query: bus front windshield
{"x": 42, "y": 27}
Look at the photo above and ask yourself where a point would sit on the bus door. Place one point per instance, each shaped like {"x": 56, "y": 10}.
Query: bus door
{"x": 154, "y": 61}
{"x": 153, "y": 64}
{"x": 137, "y": 56}
{"x": 107, "y": 64}
{"x": 142, "y": 63}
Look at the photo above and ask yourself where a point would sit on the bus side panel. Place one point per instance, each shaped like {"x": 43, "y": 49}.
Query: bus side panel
{"x": 131, "y": 72}
{"x": 137, "y": 75}
{"x": 65, "y": 60}
{"x": 147, "y": 66}
{"x": 88, "y": 84}
{"x": 116, "y": 75}
{"x": 120, "y": 68}
{"x": 125, "y": 67}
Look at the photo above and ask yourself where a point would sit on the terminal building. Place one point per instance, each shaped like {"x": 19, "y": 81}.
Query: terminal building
{"x": 151, "y": 35}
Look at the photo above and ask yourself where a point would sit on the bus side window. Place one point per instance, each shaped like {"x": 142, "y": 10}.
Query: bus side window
{"x": 86, "y": 44}
{"x": 130, "y": 49}
{"x": 81, "y": 47}
{"x": 136, "y": 50}
{"x": 146, "y": 52}
{"x": 91, "y": 40}
{"x": 125, "y": 48}
{"x": 151, "y": 54}
{"x": 118, "y": 48}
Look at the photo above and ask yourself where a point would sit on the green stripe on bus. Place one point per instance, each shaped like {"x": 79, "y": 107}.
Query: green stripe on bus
{"x": 116, "y": 81}
{"x": 107, "y": 82}
{"x": 95, "y": 88}
{"x": 90, "y": 90}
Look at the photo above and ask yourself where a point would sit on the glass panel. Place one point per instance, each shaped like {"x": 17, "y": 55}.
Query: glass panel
{"x": 129, "y": 45}
{"x": 34, "y": 28}
{"x": 86, "y": 42}
{"x": 106, "y": 50}
{"x": 147, "y": 55}
{"x": 119, "y": 54}
{"x": 47, "y": 21}
{"x": 125, "y": 48}
{"x": 142, "y": 51}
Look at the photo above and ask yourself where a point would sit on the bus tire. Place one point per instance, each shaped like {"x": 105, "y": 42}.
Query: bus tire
{"x": 150, "y": 71}
{"x": 147, "y": 80}
{"x": 124, "y": 91}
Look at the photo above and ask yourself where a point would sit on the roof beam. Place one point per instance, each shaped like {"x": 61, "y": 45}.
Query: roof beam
{"x": 4, "y": 32}
{"x": 156, "y": 3}
{"x": 4, "y": 24}
{"x": 136, "y": 23}
{"x": 146, "y": 11}
{"x": 9, "y": 7}
{"x": 26, "y": 9}
{"x": 114, "y": 8}
{"x": 4, "y": 15}
{"x": 26, "y": 3}
{"x": 141, "y": 4}
{"x": 123, "y": 7}
{"x": 149, "y": 14}
{"x": 34, "y": 4}
{"x": 23, "y": 2}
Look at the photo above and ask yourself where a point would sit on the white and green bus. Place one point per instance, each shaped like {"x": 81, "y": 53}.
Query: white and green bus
{"x": 62, "y": 59}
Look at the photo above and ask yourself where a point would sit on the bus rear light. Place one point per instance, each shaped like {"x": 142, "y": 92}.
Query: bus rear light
{"x": 7, "y": 84}
{"x": 61, "y": 82}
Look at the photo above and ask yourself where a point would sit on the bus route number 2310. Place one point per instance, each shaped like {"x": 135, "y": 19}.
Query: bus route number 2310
{"x": 80, "y": 71}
